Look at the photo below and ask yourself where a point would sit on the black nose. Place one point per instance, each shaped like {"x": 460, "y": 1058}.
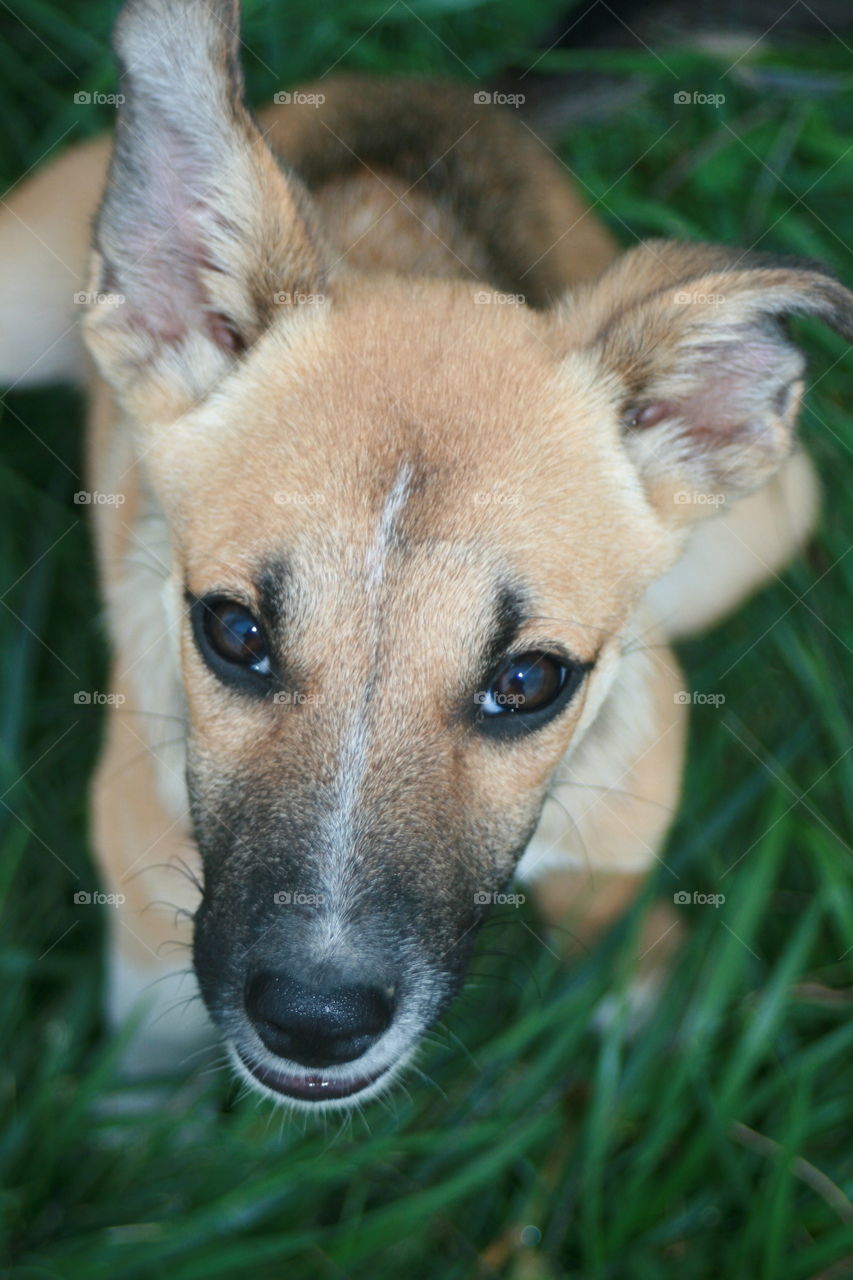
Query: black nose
{"x": 316, "y": 1026}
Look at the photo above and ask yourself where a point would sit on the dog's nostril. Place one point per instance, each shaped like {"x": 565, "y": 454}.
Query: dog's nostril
{"x": 314, "y": 1026}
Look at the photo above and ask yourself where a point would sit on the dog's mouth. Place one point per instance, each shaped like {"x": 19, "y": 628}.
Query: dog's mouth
{"x": 309, "y": 1086}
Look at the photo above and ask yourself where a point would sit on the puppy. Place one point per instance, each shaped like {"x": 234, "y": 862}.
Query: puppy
{"x": 417, "y": 477}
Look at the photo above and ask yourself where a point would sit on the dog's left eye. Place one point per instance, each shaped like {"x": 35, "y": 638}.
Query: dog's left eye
{"x": 527, "y": 691}
{"x": 229, "y": 633}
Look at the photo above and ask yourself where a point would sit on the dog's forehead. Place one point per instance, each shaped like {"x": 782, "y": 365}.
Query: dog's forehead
{"x": 456, "y": 439}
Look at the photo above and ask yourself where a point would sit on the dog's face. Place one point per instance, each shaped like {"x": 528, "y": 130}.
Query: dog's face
{"x": 409, "y": 533}
{"x": 408, "y": 552}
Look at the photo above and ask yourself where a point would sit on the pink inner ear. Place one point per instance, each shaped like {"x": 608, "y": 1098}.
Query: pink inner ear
{"x": 649, "y": 415}
{"x": 155, "y": 240}
{"x": 224, "y": 334}
{"x": 729, "y": 385}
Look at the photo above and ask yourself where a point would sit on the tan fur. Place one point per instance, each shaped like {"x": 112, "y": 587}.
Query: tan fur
{"x": 405, "y": 437}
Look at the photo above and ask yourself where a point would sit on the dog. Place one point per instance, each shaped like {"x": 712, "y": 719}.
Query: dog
{"x": 418, "y": 477}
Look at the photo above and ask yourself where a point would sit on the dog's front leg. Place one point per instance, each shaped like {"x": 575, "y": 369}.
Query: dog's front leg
{"x": 609, "y": 811}
{"x": 148, "y": 861}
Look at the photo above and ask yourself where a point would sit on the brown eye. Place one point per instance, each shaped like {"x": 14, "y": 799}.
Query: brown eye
{"x": 525, "y": 684}
{"x": 235, "y": 635}
{"x": 526, "y": 692}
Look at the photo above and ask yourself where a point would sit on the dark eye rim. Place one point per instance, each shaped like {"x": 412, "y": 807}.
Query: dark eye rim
{"x": 230, "y": 673}
{"x": 517, "y": 723}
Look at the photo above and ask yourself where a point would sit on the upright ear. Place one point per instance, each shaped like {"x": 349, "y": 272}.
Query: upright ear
{"x": 200, "y": 231}
{"x": 707, "y": 382}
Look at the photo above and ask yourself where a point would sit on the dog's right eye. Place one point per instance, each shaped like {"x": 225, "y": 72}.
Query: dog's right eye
{"x": 231, "y": 638}
{"x": 236, "y": 635}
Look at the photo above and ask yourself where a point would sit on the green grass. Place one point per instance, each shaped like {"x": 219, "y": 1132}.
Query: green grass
{"x": 715, "y": 1143}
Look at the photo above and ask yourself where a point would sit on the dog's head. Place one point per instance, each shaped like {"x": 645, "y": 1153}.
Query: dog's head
{"x": 409, "y": 531}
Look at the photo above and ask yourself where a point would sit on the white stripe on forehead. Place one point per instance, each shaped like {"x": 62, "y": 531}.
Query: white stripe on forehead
{"x": 354, "y": 749}
{"x": 398, "y": 496}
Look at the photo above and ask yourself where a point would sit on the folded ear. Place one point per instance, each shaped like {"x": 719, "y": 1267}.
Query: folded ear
{"x": 200, "y": 230}
{"x": 707, "y": 382}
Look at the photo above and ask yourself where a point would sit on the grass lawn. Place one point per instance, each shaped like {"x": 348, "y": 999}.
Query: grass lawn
{"x": 716, "y": 1143}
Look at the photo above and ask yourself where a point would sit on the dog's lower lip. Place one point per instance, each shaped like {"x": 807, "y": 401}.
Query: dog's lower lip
{"x": 311, "y": 1087}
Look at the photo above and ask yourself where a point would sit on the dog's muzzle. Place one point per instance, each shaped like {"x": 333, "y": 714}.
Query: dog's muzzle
{"x": 316, "y": 1026}
{"x": 323, "y": 1002}
{"x": 315, "y": 1036}
{"x": 313, "y": 1086}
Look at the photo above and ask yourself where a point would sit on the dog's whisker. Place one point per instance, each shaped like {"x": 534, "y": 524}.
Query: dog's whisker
{"x": 442, "y": 1028}
{"x": 212, "y": 1050}
{"x": 661, "y": 646}
{"x": 518, "y": 959}
{"x": 575, "y": 827}
{"x": 170, "y": 945}
{"x": 145, "y": 751}
{"x": 170, "y": 976}
{"x": 428, "y": 1080}
{"x": 147, "y": 714}
{"x": 177, "y": 911}
{"x": 174, "y": 863}
{"x": 608, "y": 790}
{"x": 179, "y": 863}
{"x": 173, "y": 1006}
{"x": 140, "y": 562}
